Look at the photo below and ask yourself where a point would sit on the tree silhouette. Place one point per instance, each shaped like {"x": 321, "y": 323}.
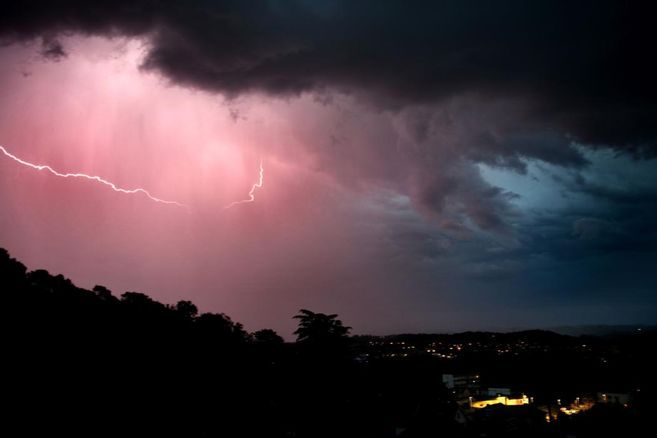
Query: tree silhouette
{"x": 12, "y": 272}
{"x": 186, "y": 309}
{"x": 219, "y": 328}
{"x": 319, "y": 327}
{"x": 103, "y": 293}
{"x": 268, "y": 337}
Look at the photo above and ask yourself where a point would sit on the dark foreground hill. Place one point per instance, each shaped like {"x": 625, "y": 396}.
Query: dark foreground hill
{"x": 87, "y": 363}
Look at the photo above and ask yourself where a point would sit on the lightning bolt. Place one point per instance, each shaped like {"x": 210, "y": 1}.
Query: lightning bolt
{"x": 89, "y": 177}
{"x": 255, "y": 186}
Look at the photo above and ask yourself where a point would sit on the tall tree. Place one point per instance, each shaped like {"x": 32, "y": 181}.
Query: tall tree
{"x": 319, "y": 327}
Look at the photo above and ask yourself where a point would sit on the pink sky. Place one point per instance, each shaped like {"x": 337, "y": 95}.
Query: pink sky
{"x": 96, "y": 112}
{"x": 380, "y": 216}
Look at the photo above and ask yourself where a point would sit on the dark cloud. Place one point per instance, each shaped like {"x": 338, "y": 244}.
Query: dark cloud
{"x": 488, "y": 254}
{"x": 52, "y": 49}
{"x": 639, "y": 196}
{"x": 458, "y": 194}
{"x": 467, "y": 82}
{"x": 586, "y": 69}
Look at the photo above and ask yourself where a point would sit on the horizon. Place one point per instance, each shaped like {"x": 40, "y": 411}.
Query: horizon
{"x": 581, "y": 330}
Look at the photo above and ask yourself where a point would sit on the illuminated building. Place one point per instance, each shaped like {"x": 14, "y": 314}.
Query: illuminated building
{"x": 503, "y": 400}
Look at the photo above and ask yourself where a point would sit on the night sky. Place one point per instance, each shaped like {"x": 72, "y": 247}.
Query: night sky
{"x": 427, "y": 166}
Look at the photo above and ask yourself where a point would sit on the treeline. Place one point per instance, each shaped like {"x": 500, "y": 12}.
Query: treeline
{"x": 87, "y": 363}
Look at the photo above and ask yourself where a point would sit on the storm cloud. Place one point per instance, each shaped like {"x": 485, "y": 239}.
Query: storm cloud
{"x": 458, "y": 155}
{"x": 585, "y": 69}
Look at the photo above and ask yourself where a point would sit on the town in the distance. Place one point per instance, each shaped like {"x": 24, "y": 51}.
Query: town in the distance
{"x": 558, "y": 375}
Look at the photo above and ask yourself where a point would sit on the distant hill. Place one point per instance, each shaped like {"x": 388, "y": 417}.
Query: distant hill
{"x": 601, "y": 330}
{"x": 544, "y": 335}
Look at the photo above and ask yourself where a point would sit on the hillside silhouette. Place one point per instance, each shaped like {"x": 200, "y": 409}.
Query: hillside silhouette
{"x": 88, "y": 363}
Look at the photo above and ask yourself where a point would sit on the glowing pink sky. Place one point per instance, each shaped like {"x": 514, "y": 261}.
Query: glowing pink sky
{"x": 341, "y": 224}
{"x": 97, "y": 113}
